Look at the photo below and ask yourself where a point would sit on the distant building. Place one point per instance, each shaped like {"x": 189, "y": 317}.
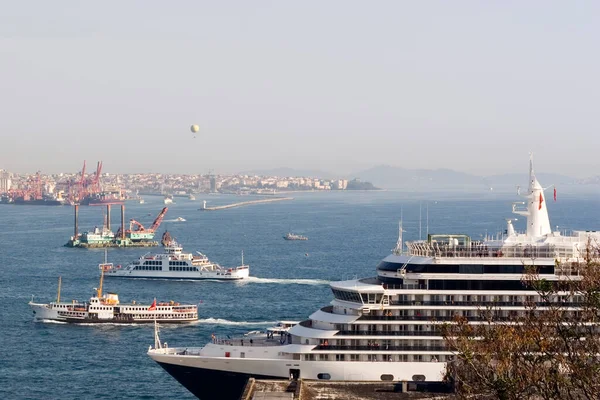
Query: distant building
{"x": 5, "y": 182}
{"x": 213, "y": 184}
{"x": 341, "y": 184}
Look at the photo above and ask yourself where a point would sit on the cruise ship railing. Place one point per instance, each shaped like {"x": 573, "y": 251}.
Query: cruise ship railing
{"x": 389, "y": 333}
{"x": 482, "y": 304}
{"x": 382, "y": 348}
{"x": 433, "y": 318}
{"x": 425, "y": 249}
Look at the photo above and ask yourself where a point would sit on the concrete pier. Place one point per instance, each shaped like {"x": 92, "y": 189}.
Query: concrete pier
{"x": 243, "y": 203}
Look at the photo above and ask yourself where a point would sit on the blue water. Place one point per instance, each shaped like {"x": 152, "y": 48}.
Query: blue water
{"x": 348, "y": 234}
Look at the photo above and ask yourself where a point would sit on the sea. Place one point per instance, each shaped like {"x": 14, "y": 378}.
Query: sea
{"x": 349, "y": 233}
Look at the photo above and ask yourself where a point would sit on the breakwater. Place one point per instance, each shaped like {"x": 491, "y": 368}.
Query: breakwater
{"x": 243, "y": 203}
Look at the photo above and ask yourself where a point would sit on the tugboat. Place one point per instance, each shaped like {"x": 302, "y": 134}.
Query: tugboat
{"x": 107, "y": 309}
{"x": 291, "y": 236}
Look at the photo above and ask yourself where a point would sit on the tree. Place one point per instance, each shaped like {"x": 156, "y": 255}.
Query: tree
{"x": 549, "y": 348}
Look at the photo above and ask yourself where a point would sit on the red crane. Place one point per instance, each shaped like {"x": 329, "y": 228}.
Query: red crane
{"x": 140, "y": 228}
{"x": 95, "y": 181}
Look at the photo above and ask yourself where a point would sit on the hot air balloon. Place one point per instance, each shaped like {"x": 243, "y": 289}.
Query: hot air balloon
{"x": 194, "y": 128}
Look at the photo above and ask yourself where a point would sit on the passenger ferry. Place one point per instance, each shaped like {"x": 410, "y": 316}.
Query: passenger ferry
{"x": 108, "y": 309}
{"x": 387, "y": 327}
{"x": 175, "y": 264}
{"x": 291, "y": 236}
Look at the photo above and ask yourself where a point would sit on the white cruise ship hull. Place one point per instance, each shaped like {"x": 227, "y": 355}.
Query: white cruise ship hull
{"x": 209, "y": 377}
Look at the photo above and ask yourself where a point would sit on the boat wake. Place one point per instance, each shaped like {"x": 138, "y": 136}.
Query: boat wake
{"x": 219, "y": 321}
{"x": 50, "y": 321}
{"x": 253, "y": 279}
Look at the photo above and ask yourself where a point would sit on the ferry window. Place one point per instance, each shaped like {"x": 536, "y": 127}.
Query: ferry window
{"x": 418, "y": 378}
{"x": 323, "y": 376}
{"x": 387, "y": 377}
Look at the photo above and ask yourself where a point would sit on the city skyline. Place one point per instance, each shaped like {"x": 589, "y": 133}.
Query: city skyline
{"x": 336, "y": 86}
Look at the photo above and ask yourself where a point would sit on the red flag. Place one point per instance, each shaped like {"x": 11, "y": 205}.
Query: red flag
{"x": 541, "y": 201}
{"x": 554, "y": 194}
{"x": 153, "y": 306}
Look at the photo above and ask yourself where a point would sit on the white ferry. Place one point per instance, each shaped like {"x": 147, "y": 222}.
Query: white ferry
{"x": 175, "y": 264}
{"x": 107, "y": 309}
{"x": 291, "y": 236}
{"x": 387, "y": 328}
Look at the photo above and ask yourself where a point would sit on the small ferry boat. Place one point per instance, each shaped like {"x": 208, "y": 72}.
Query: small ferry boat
{"x": 175, "y": 264}
{"x": 180, "y": 219}
{"x": 107, "y": 309}
{"x": 168, "y": 199}
{"x": 191, "y": 197}
{"x": 291, "y": 236}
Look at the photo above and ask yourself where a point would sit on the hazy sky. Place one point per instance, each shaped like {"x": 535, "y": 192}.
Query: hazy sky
{"x": 333, "y": 85}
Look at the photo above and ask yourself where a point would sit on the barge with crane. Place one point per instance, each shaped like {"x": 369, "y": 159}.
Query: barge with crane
{"x": 136, "y": 236}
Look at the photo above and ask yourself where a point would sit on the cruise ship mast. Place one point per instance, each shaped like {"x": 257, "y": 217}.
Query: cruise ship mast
{"x": 538, "y": 223}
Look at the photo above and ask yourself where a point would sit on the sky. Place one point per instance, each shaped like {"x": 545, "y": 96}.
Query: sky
{"x": 338, "y": 86}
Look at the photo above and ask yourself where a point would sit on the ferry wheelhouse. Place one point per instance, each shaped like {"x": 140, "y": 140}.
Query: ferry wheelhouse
{"x": 387, "y": 328}
{"x": 175, "y": 264}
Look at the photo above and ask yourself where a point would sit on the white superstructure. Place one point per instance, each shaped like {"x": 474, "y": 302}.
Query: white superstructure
{"x": 175, "y": 264}
{"x": 387, "y": 327}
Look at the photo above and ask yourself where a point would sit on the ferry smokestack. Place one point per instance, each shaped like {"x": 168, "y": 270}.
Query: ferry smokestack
{"x": 76, "y": 221}
{"x": 108, "y": 217}
{"x": 123, "y": 221}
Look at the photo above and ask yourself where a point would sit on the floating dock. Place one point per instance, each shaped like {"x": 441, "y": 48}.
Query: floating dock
{"x": 243, "y": 203}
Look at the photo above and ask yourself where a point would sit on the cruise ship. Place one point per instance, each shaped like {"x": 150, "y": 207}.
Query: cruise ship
{"x": 173, "y": 263}
{"x": 106, "y": 308}
{"x": 387, "y": 327}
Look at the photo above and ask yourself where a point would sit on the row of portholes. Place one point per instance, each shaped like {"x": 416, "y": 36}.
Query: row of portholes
{"x": 384, "y": 377}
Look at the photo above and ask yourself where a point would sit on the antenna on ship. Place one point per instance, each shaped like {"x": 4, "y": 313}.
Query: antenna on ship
{"x": 157, "y": 344}
{"x": 58, "y": 294}
{"x": 102, "y": 266}
{"x": 420, "y": 236}
{"x": 400, "y": 244}
{"x": 427, "y": 219}
{"x": 242, "y": 257}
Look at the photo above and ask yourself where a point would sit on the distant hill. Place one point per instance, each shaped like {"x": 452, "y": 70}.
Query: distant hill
{"x": 592, "y": 180}
{"x": 523, "y": 178}
{"x": 397, "y": 177}
{"x": 283, "y": 172}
